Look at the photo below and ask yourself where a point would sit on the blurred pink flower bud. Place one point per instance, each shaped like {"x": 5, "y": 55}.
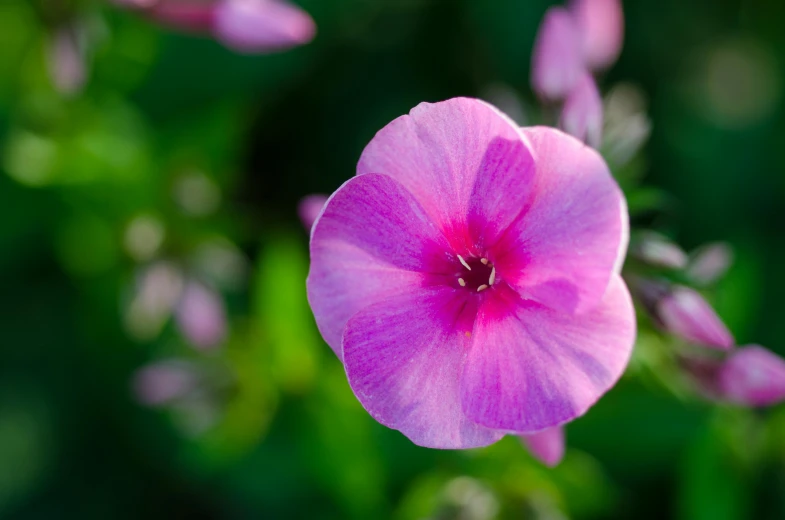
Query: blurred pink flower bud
{"x": 309, "y": 208}
{"x": 262, "y": 25}
{"x": 66, "y": 60}
{"x": 557, "y": 62}
{"x": 600, "y": 25}
{"x": 657, "y": 250}
{"x": 710, "y": 262}
{"x": 752, "y": 376}
{"x": 684, "y": 313}
{"x": 251, "y": 26}
{"x": 201, "y": 316}
{"x": 582, "y": 113}
{"x": 546, "y": 446}
{"x": 162, "y": 382}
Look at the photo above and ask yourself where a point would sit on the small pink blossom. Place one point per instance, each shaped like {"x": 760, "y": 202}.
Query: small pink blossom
{"x": 66, "y": 59}
{"x": 600, "y": 25}
{"x": 250, "y": 26}
{"x": 547, "y": 446}
{"x": 710, "y": 262}
{"x": 468, "y": 276}
{"x": 582, "y": 113}
{"x": 752, "y": 376}
{"x": 557, "y": 63}
{"x": 200, "y": 316}
{"x": 657, "y": 250}
{"x": 685, "y": 313}
{"x": 309, "y": 208}
{"x": 162, "y": 382}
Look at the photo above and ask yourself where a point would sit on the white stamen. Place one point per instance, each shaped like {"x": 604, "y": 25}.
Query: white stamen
{"x": 493, "y": 276}
{"x": 484, "y": 261}
{"x": 461, "y": 282}
{"x": 464, "y": 262}
{"x": 482, "y": 288}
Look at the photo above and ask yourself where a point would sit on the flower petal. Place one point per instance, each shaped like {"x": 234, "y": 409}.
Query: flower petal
{"x": 372, "y": 240}
{"x": 436, "y": 152}
{"x": 753, "y": 376}
{"x": 556, "y": 62}
{"x": 262, "y": 25}
{"x": 564, "y": 248}
{"x": 547, "y": 446}
{"x": 531, "y": 368}
{"x": 404, "y": 357}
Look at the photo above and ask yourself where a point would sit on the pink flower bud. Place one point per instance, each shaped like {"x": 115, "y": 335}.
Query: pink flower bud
{"x": 262, "y": 25}
{"x": 657, "y": 250}
{"x": 309, "y": 208}
{"x": 546, "y": 446}
{"x": 684, "y": 312}
{"x": 752, "y": 376}
{"x": 201, "y": 317}
{"x": 710, "y": 262}
{"x": 556, "y": 63}
{"x": 582, "y": 113}
{"x": 600, "y": 24}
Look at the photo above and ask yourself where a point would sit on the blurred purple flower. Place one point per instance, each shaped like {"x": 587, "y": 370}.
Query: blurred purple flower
{"x": 600, "y": 25}
{"x": 66, "y": 60}
{"x": 309, "y": 208}
{"x": 557, "y": 62}
{"x": 459, "y": 317}
{"x": 163, "y": 382}
{"x": 752, "y": 376}
{"x": 582, "y": 113}
{"x": 201, "y": 316}
{"x": 710, "y": 262}
{"x": 685, "y": 313}
{"x": 249, "y": 26}
{"x": 547, "y": 446}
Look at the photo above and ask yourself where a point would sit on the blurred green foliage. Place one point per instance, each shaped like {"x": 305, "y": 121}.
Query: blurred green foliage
{"x": 204, "y": 154}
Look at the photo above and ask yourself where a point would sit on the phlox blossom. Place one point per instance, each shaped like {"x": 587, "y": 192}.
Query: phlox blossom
{"x": 468, "y": 276}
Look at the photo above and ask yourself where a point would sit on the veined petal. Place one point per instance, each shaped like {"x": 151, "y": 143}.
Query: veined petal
{"x": 436, "y": 152}
{"x": 573, "y": 236}
{"x": 372, "y": 240}
{"x": 404, "y": 357}
{"x": 530, "y": 368}
{"x": 262, "y": 25}
{"x": 547, "y": 446}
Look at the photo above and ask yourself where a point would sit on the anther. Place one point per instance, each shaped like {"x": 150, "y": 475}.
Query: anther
{"x": 484, "y": 261}
{"x": 461, "y": 282}
{"x": 493, "y": 276}
{"x": 482, "y": 288}
{"x": 464, "y": 262}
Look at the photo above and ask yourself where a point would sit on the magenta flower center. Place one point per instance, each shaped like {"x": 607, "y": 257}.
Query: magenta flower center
{"x": 475, "y": 274}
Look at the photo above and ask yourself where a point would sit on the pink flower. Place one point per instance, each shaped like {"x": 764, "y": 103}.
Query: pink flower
{"x": 600, "y": 25}
{"x": 66, "y": 59}
{"x": 547, "y": 446}
{"x": 557, "y": 62}
{"x": 581, "y": 116}
{"x": 200, "y": 316}
{"x": 685, "y": 313}
{"x": 251, "y": 26}
{"x": 753, "y": 376}
{"x": 468, "y": 279}
{"x": 309, "y": 208}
